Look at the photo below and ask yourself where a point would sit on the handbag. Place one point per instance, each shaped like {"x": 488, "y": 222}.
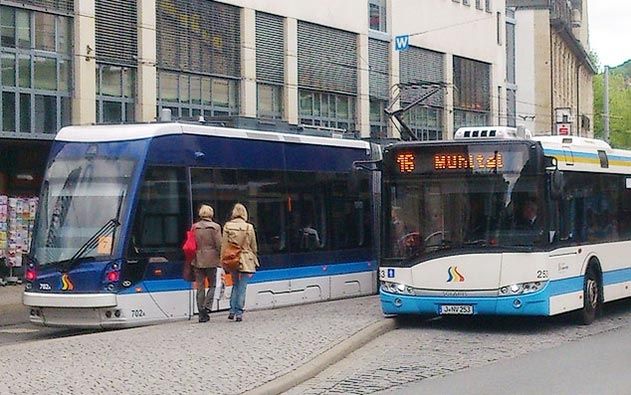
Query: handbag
{"x": 231, "y": 257}
{"x": 190, "y": 249}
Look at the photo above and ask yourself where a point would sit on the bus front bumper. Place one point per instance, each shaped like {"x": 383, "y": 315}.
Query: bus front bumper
{"x": 535, "y": 304}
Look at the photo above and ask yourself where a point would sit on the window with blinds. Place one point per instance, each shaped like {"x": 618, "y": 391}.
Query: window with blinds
{"x": 116, "y": 32}
{"x": 472, "y": 84}
{"x": 199, "y": 36}
{"x": 379, "y": 68}
{"x": 418, "y": 65}
{"x": 327, "y": 58}
{"x": 270, "y": 48}
{"x": 510, "y": 52}
{"x": 66, "y": 6}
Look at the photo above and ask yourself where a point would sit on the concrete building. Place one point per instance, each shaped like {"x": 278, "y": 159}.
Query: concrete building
{"x": 553, "y": 68}
{"x": 326, "y": 64}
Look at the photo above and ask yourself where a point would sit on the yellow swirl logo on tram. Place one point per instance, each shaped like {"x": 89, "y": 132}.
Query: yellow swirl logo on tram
{"x": 66, "y": 284}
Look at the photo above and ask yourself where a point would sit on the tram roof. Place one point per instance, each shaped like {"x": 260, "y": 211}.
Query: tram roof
{"x": 129, "y": 132}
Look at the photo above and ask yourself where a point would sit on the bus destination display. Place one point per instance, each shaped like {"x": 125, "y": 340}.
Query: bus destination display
{"x": 461, "y": 159}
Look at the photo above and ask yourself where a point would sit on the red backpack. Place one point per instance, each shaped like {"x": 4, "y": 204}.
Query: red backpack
{"x": 190, "y": 249}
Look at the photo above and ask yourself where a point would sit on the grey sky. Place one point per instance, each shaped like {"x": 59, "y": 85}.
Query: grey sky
{"x": 610, "y": 30}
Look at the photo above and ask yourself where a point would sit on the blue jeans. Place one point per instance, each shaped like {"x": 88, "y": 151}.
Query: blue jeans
{"x": 237, "y": 297}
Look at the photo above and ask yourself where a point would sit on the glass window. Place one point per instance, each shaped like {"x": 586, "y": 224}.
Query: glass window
{"x": 8, "y": 69}
{"x": 111, "y": 84}
{"x": 129, "y": 82}
{"x": 184, "y": 92}
{"x": 162, "y": 214}
{"x": 8, "y": 112}
{"x": 306, "y": 103}
{"x": 342, "y": 107}
{"x": 24, "y": 71}
{"x": 25, "y": 113}
{"x": 8, "y": 26}
{"x": 46, "y": 114}
{"x": 65, "y": 111}
{"x": 377, "y": 15}
{"x": 221, "y": 93}
{"x": 168, "y": 87}
{"x": 206, "y": 89}
{"x": 45, "y": 73}
{"x": 23, "y": 27}
{"x": 64, "y": 75}
{"x": 196, "y": 90}
{"x": 130, "y": 112}
{"x": 44, "y": 31}
{"x": 266, "y": 98}
{"x": 64, "y": 41}
{"x": 112, "y": 112}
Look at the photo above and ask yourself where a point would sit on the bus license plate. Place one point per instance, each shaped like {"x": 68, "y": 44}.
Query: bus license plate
{"x": 456, "y": 309}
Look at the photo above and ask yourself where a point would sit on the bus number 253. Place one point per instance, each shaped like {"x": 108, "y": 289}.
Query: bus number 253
{"x": 541, "y": 274}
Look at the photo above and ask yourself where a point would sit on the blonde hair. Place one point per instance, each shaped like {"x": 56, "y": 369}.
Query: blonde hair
{"x": 239, "y": 211}
{"x": 205, "y": 211}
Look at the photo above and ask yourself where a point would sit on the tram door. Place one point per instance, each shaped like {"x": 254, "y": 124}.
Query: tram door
{"x": 160, "y": 220}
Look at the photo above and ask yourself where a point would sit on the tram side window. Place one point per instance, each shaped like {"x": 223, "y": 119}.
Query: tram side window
{"x": 350, "y": 219}
{"x": 261, "y": 191}
{"x": 264, "y": 198}
{"x": 306, "y": 211}
{"x": 162, "y": 213}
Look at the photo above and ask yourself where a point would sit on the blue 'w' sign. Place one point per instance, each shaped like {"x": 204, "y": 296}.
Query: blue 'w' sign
{"x": 401, "y": 43}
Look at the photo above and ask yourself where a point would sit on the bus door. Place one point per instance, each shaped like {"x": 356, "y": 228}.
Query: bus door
{"x": 161, "y": 218}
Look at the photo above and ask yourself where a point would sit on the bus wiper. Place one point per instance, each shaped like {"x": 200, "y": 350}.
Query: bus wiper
{"x": 91, "y": 243}
{"x": 480, "y": 243}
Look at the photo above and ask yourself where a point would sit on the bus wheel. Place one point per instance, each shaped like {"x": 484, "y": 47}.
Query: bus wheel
{"x": 591, "y": 296}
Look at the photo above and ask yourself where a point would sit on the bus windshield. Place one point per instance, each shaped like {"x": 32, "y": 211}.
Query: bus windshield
{"x": 79, "y": 197}
{"x": 457, "y": 211}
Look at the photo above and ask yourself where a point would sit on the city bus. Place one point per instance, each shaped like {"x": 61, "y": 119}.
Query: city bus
{"x": 496, "y": 222}
{"x": 116, "y": 202}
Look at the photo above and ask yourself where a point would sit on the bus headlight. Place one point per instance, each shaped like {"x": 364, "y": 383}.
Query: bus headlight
{"x": 396, "y": 288}
{"x": 522, "y": 288}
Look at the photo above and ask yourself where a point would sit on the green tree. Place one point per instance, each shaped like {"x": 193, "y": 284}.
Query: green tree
{"x": 619, "y": 106}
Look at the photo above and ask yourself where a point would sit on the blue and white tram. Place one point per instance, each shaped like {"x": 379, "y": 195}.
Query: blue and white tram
{"x": 497, "y": 223}
{"x": 116, "y": 202}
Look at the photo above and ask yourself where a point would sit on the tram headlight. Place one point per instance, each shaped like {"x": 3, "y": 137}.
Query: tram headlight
{"x": 521, "y": 288}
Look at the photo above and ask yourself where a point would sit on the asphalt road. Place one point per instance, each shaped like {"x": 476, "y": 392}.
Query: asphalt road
{"x": 595, "y": 365}
{"x": 494, "y": 355}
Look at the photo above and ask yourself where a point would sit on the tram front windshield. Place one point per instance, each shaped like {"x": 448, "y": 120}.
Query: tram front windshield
{"x": 455, "y": 211}
{"x": 79, "y": 197}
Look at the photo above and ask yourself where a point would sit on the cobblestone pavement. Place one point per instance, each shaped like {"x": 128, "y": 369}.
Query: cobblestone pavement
{"x": 441, "y": 347}
{"x": 218, "y": 357}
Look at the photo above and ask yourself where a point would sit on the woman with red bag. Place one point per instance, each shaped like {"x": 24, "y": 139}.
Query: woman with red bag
{"x": 206, "y": 261}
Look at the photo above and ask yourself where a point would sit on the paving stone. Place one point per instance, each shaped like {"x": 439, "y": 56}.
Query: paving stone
{"x": 218, "y": 357}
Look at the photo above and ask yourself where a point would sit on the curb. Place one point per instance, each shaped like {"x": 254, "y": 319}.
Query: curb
{"x": 324, "y": 360}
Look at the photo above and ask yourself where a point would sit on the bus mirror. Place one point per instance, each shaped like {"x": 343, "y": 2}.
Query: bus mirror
{"x": 551, "y": 163}
{"x": 557, "y": 184}
{"x": 367, "y": 165}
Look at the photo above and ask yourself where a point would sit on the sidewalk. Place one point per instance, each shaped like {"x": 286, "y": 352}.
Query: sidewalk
{"x": 219, "y": 357}
{"x": 12, "y": 311}
{"x": 11, "y": 295}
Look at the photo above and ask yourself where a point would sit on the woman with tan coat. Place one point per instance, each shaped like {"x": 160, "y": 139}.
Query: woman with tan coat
{"x": 240, "y": 232}
{"x": 206, "y": 262}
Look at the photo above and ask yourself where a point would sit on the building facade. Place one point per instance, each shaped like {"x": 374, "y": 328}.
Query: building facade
{"x": 553, "y": 68}
{"x": 329, "y": 64}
